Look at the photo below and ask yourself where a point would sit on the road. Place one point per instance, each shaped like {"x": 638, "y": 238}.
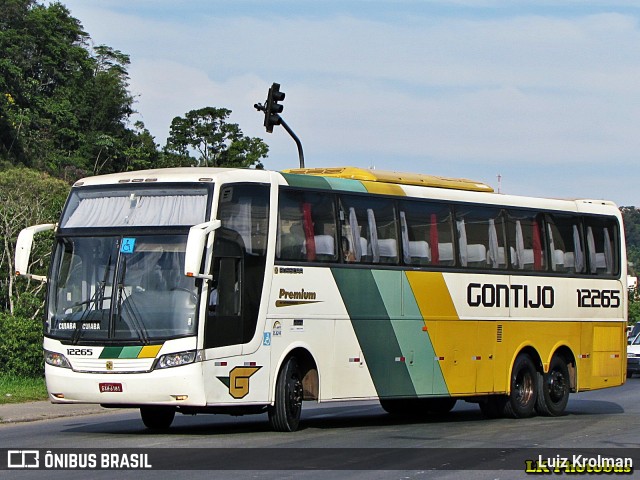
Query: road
{"x": 604, "y": 419}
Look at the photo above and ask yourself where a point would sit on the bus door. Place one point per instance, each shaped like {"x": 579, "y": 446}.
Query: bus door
{"x": 233, "y": 294}
{"x": 224, "y": 320}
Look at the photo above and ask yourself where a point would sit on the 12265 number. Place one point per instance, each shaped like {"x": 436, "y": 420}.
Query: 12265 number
{"x": 594, "y": 298}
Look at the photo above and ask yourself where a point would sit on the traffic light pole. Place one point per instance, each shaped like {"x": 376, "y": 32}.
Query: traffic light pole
{"x": 295, "y": 139}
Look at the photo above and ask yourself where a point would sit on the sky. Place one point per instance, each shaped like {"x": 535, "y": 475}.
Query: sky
{"x": 534, "y": 97}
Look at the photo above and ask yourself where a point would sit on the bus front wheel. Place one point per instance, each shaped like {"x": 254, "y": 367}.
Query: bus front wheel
{"x": 157, "y": 418}
{"x": 553, "y": 388}
{"x": 524, "y": 388}
{"x": 284, "y": 415}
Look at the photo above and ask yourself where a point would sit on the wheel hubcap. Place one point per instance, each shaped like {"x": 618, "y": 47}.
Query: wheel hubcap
{"x": 524, "y": 388}
{"x": 295, "y": 394}
{"x": 556, "y": 385}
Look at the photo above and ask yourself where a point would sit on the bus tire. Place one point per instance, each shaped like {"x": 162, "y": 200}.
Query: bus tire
{"x": 524, "y": 388}
{"x": 157, "y": 418}
{"x": 284, "y": 415}
{"x": 553, "y": 388}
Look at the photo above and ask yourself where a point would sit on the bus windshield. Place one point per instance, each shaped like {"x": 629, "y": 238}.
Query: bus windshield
{"x": 121, "y": 288}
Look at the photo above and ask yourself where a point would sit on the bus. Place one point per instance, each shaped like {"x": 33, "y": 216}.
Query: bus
{"x": 240, "y": 291}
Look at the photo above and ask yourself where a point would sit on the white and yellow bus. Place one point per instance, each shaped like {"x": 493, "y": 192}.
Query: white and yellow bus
{"x": 245, "y": 291}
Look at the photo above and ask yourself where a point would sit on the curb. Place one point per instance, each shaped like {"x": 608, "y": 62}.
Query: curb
{"x": 44, "y": 410}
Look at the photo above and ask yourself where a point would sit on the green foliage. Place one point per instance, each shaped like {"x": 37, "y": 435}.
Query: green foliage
{"x": 634, "y": 309}
{"x": 631, "y": 218}
{"x": 64, "y": 107}
{"x": 216, "y": 142}
{"x": 21, "y": 346}
{"x": 14, "y": 389}
{"x": 28, "y": 197}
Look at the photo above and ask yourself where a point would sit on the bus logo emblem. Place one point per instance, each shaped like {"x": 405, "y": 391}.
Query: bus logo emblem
{"x": 109, "y": 365}
{"x": 238, "y": 381}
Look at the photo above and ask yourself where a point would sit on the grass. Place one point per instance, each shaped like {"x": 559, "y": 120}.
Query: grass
{"x": 21, "y": 389}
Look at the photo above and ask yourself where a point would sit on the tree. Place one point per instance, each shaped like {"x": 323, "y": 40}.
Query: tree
{"x": 28, "y": 198}
{"x": 44, "y": 62}
{"x": 631, "y": 219}
{"x": 64, "y": 105}
{"x": 634, "y": 308}
{"x": 216, "y": 142}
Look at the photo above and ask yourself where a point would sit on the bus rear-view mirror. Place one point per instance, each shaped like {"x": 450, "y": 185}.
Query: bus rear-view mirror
{"x": 23, "y": 250}
{"x": 195, "y": 248}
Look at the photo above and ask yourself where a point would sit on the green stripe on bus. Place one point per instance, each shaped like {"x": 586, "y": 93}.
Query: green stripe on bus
{"x": 408, "y": 324}
{"x": 372, "y": 326}
{"x": 306, "y": 181}
{"x": 346, "y": 184}
{"x": 121, "y": 352}
{"x": 111, "y": 352}
{"x": 130, "y": 352}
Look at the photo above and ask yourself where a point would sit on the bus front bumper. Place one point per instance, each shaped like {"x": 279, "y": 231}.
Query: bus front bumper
{"x": 177, "y": 386}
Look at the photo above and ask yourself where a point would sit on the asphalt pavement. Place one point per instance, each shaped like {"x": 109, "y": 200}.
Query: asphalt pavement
{"x": 34, "y": 411}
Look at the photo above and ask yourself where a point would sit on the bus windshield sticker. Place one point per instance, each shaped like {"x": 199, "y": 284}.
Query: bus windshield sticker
{"x": 128, "y": 244}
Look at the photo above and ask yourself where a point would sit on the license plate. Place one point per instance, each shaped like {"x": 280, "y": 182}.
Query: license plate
{"x": 110, "y": 387}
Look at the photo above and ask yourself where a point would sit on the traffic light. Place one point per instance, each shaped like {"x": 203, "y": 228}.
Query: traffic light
{"x": 273, "y": 108}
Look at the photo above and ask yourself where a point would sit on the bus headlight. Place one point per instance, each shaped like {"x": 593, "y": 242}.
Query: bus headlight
{"x": 56, "y": 359}
{"x": 180, "y": 358}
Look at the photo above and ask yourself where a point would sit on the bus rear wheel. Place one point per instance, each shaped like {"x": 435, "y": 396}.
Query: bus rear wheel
{"x": 284, "y": 415}
{"x": 553, "y": 388}
{"x": 524, "y": 388}
{"x": 157, "y": 418}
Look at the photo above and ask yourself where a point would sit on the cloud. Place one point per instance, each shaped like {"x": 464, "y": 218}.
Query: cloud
{"x": 443, "y": 93}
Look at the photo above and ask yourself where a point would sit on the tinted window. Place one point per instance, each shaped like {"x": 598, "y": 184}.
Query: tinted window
{"x": 245, "y": 209}
{"x": 602, "y": 246}
{"x": 526, "y": 250}
{"x": 306, "y": 227}
{"x": 481, "y": 242}
{"x": 368, "y": 230}
{"x": 427, "y": 233}
{"x": 565, "y": 243}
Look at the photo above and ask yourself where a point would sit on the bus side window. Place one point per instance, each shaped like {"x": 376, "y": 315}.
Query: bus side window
{"x": 602, "y": 246}
{"x": 245, "y": 209}
{"x": 427, "y": 233}
{"x": 368, "y": 230}
{"x": 526, "y": 240}
{"x": 481, "y": 241}
{"x": 566, "y": 245}
{"x": 306, "y": 227}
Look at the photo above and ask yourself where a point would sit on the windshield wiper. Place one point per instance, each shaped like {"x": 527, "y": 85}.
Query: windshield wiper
{"x": 134, "y": 315}
{"x": 98, "y": 297}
